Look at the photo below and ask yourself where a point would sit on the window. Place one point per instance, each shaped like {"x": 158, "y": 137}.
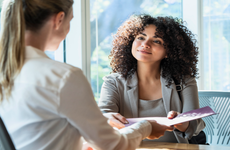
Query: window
{"x": 216, "y": 45}
{"x": 59, "y": 54}
{"x": 88, "y": 43}
{"x": 105, "y": 18}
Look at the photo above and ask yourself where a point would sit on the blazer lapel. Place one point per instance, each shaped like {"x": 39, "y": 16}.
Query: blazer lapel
{"x": 166, "y": 94}
{"x": 132, "y": 86}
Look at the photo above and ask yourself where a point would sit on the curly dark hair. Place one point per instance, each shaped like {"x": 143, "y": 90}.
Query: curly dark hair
{"x": 179, "y": 42}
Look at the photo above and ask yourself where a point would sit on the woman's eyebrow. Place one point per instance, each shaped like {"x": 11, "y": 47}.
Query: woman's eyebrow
{"x": 143, "y": 34}
{"x": 157, "y": 37}
{"x": 153, "y": 36}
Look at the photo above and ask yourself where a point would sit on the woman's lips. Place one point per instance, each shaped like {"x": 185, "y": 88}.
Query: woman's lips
{"x": 144, "y": 52}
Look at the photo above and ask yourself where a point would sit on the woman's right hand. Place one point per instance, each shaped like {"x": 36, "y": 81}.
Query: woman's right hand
{"x": 158, "y": 130}
{"x": 116, "y": 120}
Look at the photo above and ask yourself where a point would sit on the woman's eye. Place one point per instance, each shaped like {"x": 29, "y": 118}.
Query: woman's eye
{"x": 140, "y": 38}
{"x": 156, "y": 41}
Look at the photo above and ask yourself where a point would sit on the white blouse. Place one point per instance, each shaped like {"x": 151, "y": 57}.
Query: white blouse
{"x": 52, "y": 106}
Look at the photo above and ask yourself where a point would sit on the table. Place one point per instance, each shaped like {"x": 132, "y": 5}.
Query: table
{"x": 148, "y": 145}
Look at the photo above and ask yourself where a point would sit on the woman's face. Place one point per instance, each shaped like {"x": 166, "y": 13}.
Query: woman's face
{"x": 147, "y": 47}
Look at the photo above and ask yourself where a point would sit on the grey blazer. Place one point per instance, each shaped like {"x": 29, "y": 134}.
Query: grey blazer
{"x": 121, "y": 95}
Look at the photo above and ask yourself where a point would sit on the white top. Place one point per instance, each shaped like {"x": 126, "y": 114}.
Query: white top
{"x": 52, "y": 106}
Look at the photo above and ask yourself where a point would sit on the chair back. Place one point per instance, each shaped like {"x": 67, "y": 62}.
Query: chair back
{"x": 217, "y": 128}
{"x": 5, "y": 140}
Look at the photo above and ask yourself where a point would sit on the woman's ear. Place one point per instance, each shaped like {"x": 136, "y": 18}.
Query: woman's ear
{"x": 58, "y": 20}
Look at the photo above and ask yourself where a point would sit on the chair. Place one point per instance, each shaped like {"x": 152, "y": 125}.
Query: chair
{"x": 5, "y": 140}
{"x": 217, "y": 128}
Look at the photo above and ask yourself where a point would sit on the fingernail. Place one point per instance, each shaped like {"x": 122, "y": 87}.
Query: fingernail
{"x": 126, "y": 122}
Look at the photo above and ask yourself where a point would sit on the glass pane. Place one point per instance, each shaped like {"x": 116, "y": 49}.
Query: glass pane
{"x": 58, "y": 54}
{"x": 216, "y": 46}
{"x": 106, "y": 17}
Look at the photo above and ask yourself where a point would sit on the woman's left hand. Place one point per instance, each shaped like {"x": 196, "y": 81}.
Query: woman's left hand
{"x": 181, "y": 126}
{"x": 86, "y": 146}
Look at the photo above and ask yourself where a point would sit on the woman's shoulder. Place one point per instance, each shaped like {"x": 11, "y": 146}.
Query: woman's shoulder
{"x": 189, "y": 80}
{"x": 61, "y": 68}
{"x": 47, "y": 69}
{"x": 119, "y": 80}
{"x": 113, "y": 76}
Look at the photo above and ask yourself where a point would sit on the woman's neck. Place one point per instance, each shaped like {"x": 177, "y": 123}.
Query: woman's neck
{"x": 148, "y": 72}
{"x": 35, "y": 40}
{"x": 39, "y": 39}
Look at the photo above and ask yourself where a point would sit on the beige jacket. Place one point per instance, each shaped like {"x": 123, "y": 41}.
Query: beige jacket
{"x": 121, "y": 95}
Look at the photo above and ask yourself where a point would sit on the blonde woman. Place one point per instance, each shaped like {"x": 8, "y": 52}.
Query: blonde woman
{"x": 47, "y": 104}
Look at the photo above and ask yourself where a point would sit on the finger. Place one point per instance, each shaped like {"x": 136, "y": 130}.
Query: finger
{"x": 172, "y": 114}
{"x": 169, "y": 128}
{"x": 116, "y": 123}
{"x": 121, "y": 118}
{"x": 86, "y": 147}
{"x": 179, "y": 124}
{"x": 150, "y": 137}
{"x": 154, "y": 137}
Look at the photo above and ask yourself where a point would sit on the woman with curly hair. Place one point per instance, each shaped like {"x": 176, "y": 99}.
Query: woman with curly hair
{"x": 154, "y": 66}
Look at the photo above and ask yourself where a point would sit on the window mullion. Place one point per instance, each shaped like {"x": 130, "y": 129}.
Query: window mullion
{"x": 78, "y": 39}
{"x": 193, "y": 15}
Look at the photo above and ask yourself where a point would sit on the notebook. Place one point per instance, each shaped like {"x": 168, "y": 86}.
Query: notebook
{"x": 183, "y": 117}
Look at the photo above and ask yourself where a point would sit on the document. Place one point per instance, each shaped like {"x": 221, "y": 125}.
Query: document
{"x": 183, "y": 117}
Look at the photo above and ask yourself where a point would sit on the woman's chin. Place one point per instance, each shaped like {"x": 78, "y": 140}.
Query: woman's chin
{"x": 144, "y": 60}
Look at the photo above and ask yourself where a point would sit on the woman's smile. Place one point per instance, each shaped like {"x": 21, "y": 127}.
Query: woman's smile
{"x": 144, "y": 52}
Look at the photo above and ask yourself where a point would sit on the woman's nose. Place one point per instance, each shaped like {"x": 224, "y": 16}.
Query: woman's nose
{"x": 145, "y": 44}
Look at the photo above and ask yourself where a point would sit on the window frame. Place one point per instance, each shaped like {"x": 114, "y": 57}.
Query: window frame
{"x": 80, "y": 30}
{"x": 78, "y": 40}
{"x": 194, "y": 22}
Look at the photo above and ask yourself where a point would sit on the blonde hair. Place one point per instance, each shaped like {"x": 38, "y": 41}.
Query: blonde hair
{"x": 18, "y": 16}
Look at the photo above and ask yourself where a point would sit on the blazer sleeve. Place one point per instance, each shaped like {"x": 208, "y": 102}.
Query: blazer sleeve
{"x": 190, "y": 101}
{"x": 78, "y": 106}
{"x": 109, "y": 98}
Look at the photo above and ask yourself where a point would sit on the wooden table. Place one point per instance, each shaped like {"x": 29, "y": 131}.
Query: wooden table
{"x": 147, "y": 145}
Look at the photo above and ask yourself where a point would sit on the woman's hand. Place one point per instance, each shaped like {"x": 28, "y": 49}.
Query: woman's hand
{"x": 158, "y": 130}
{"x": 181, "y": 126}
{"x": 86, "y": 146}
{"x": 116, "y": 120}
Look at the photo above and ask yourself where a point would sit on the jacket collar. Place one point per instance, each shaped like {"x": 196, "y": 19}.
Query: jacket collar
{"x": 32, "y": 52}
{"x": 132, "y": 81}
